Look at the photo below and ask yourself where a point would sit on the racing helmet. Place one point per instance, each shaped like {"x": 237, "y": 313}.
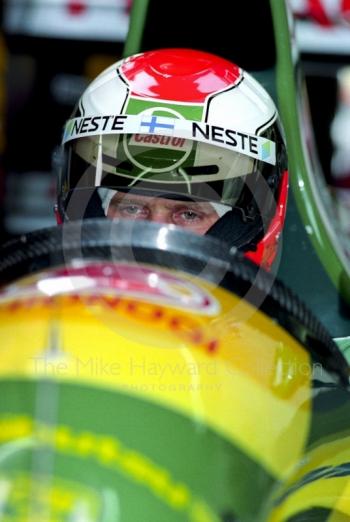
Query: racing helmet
{"x": 184, "y": 125}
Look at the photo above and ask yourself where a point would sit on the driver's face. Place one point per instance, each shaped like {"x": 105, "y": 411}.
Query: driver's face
{"x": 194, "y": 216}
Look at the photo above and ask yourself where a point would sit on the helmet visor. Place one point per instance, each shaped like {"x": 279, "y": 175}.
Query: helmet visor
{"x": 157, "y": 165}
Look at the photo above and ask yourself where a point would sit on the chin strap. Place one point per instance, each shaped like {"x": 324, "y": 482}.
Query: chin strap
{"x": 234, "y": 229}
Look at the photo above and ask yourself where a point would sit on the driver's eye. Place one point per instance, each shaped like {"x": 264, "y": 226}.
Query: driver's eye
{"x": 130, "y": 210}
{"x": 189, "y": 214}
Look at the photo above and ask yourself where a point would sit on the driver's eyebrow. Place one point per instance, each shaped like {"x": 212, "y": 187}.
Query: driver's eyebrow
{"x": 170, "y": 204}
{"x": 128, "y": 201}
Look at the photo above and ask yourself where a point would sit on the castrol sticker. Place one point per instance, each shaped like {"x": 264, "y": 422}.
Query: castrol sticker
{"x": 170, "y": 151}
{"x": 169, "y": 142}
